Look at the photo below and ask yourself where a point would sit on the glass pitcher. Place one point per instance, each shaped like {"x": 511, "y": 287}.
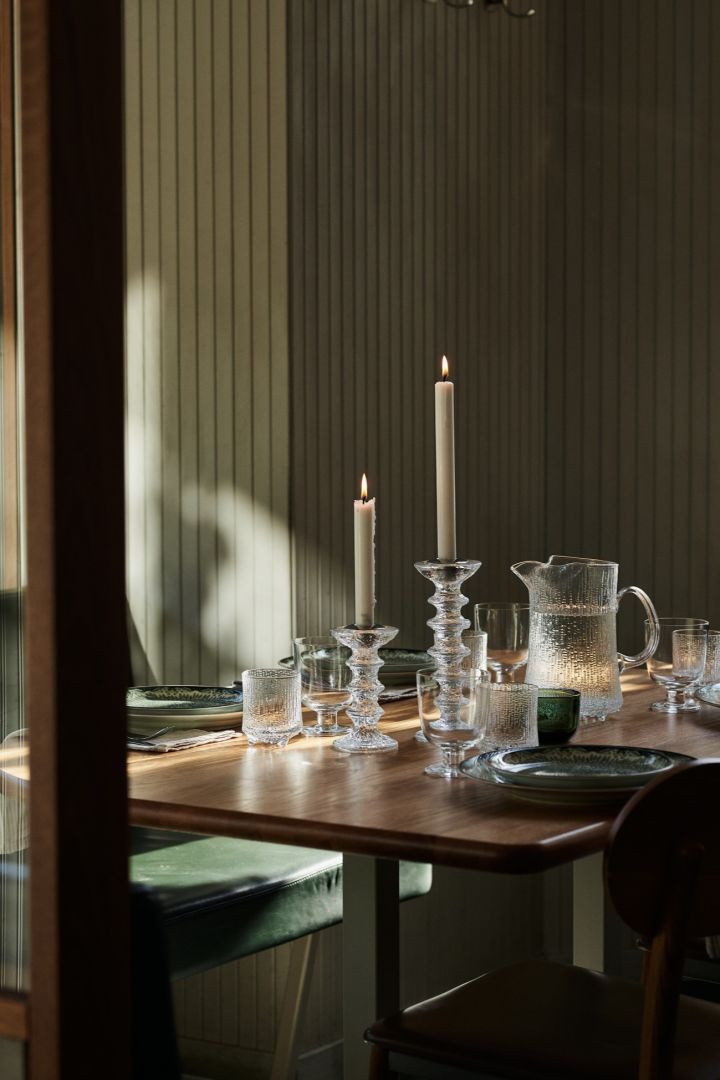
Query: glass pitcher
{"x": 573, "y": 639}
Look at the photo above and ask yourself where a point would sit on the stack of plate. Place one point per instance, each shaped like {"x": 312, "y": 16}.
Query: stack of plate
{"x": 210, "y": 708}
{"x": 398, "y": 670}
{"x": 572, "y": 774}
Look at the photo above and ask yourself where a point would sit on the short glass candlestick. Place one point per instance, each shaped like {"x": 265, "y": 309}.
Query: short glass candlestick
{"x": 449, "y": 650}
{"x": 364, "y": 711}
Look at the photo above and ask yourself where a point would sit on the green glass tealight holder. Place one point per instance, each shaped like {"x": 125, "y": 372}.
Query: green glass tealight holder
{"x": 558, "y": 715}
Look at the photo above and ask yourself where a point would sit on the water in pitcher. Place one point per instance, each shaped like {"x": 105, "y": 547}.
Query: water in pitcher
{"x": 576, "y": 651}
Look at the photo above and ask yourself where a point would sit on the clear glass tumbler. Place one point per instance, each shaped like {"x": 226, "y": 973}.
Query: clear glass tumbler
{"x": 324, "y": 681}
{"x": 507, "y": 626}
{"x": 448, "y": 713}
{"x": 660, "y": 664}
{"x": 271, "y": 705}
{"x": 507, "y": 715}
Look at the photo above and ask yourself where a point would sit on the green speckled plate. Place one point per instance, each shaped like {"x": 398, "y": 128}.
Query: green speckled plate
{"x": 709, "y": 693}
{"x": 579, "y": 766}
{"x": 170, "y": 702}
{"x": 591, "y": 774}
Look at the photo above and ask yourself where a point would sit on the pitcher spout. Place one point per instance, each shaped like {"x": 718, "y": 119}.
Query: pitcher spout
{"x": 526, "y": 570}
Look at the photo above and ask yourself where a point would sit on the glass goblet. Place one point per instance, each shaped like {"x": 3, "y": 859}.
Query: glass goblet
{"x": 710, "y": 675}
{"x": 660, "y": 664}
{"x": 476, "y": 642}
{"x": 448, "y": 713}
{"x": 507, "y": 626}
{"x": 324, "y": 681}
{"x": 689, "y": 655}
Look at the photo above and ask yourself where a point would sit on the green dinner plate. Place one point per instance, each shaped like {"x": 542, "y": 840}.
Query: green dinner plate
{"x": 586, "y": 787}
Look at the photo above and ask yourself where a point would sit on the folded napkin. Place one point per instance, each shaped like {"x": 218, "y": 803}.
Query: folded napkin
{"x": 180, "y": 740}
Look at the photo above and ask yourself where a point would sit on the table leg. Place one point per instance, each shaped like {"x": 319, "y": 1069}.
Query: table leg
{"x": 371, "y": 953}
{"x": 589, "y": 913}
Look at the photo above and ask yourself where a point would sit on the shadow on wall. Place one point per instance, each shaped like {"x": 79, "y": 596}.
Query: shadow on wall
{"x": 208, "y": 544}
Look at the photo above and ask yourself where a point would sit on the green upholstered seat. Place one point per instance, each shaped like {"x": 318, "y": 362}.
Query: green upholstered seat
{"x": 223, "y": 899}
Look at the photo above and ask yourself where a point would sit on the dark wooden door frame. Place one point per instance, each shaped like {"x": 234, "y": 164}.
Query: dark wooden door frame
{"x": 72, "y": 302}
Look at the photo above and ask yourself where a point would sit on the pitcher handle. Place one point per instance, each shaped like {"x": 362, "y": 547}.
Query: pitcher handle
{"x": 654, "y": 639}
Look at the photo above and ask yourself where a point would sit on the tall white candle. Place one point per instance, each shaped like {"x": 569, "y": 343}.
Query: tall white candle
{"x": 364, "y": 558}
{"x": 445, "y": 464}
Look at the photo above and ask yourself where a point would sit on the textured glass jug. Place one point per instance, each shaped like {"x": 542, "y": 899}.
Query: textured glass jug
{"x": 573, "y": 640}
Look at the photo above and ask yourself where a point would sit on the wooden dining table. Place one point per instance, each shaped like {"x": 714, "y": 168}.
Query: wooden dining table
{"x": 377, "y": 809}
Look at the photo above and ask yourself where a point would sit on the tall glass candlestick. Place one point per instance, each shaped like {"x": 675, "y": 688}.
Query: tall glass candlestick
{"x": 448, "y": 650}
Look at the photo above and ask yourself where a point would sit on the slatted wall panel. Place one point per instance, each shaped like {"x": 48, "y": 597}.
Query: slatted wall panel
{"x": 633, "y": 467}
{"x": 207, "y": 382}
{"x": 417, "y": 164}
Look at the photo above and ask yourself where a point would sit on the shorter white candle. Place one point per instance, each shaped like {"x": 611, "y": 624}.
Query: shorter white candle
{"x": 445, "y": 464}
{"x": 364, "y": 558}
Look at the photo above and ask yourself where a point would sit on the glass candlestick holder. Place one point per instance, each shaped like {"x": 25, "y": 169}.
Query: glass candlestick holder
{"x": 364, "y": 711}
{"x": 448, "y": 650}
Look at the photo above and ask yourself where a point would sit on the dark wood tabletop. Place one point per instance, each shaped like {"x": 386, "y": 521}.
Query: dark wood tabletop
{"x": 384, "y": 805}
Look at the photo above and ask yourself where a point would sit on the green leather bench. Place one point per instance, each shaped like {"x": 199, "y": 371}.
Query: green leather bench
{"x": 222, "y": 899}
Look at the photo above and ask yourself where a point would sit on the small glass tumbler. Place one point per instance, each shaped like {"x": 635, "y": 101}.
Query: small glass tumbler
{"x": 660, "y": 664}
{"x": 448, "y": 714}
{"x": 507, "y": 715}
{"x": 271, "y": 705}
{"x": 558, "y": 715}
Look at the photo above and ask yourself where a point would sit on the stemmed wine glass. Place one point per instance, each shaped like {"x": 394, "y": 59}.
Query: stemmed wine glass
{"x": 454, "y": 727}
{"x": 662, "y": 664}
{"x": 507, "y": 626}
{"x": 324, "y": 681}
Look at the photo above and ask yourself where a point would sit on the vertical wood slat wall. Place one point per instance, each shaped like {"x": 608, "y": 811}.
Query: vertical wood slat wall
{"x": 207, "y": 382}
{"x": 207, "y": 379}
{"x": 633, "y": 277}
{"x": 417, "y": 208}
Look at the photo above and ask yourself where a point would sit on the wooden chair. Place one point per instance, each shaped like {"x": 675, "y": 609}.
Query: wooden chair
{"x": 547, "y": 1020}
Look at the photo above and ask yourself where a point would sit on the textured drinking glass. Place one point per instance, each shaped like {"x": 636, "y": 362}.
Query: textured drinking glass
{"x": 476, "y": 641}
{"x": 711, "y": 674}
{"x": 689, "y": 654}
{"x": 271, "y": 705}
{"x": 507, "y": 627}
{"x": 453, "y": 731}
{"x": 324, "y": 681}
{"x": 660, "y": 664}
{"x": 558, "y": 715}
{"x": 507, "y": 715}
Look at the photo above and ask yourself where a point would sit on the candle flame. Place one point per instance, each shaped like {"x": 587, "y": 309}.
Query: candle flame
{"x": 445, "y": 368}
{"x": 363, "y": 488}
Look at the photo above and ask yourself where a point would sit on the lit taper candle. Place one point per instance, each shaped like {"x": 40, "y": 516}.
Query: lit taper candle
{"x": 364, "y": 558}
{"x": 445, "y": 464}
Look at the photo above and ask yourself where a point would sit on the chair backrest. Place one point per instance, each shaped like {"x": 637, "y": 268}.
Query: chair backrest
{"x": 662, "y": 868}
